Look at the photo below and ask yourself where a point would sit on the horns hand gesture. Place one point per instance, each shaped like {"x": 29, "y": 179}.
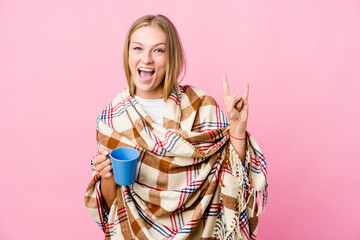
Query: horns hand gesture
{"x": 237, "y": 107}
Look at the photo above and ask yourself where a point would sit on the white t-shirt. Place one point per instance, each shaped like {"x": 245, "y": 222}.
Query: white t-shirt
{"x": 153, "y": 107}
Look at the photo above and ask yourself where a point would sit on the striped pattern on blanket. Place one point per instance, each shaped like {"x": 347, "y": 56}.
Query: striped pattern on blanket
{"x": 190, "y": 182}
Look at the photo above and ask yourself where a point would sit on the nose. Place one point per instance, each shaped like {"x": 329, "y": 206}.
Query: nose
{"x": 147, "y": 57}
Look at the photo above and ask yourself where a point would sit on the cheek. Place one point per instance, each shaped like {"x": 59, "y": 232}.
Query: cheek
{"x": 132, "y": 64}
{"x": 132, "y": 60}
{"x": 162, "y": 63}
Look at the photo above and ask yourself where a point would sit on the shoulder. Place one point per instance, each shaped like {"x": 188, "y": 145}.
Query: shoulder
{"x": 122, "y": 97}
{"x": 118, "y": 101}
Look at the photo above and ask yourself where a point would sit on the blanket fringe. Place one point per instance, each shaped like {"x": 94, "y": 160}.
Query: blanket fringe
{"x": 220, "y": 229}
{"x": 237, "y": 170}
{"x": 247, "y": 195}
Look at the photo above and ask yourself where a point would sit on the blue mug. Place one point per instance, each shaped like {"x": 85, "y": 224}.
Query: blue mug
{"x": 124, "y": 164}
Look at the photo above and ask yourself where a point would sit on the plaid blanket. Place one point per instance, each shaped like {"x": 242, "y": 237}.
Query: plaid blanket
{"x": 190, "y": 182}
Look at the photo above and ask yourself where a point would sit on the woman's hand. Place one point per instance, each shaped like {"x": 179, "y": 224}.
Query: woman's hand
{"x": 102, "y": 163}
{"x": 103, "y": 166}
{"x": 237, "y": 108}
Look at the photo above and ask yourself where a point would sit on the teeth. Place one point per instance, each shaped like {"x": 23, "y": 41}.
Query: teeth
{"x": 145, "y": 69}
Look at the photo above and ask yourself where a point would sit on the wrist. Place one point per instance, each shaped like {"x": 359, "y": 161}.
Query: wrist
{"x": 238, "y": 130}
{"x": 237, "y": 138}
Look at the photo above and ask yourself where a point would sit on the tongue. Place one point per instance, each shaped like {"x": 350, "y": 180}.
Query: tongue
{"x": 145, "y": 74}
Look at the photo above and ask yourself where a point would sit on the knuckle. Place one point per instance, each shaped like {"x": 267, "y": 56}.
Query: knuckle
{"x": 95, "y": 161}
{"x": 98, "y": 159}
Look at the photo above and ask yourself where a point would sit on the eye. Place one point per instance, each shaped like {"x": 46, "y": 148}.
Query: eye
{"x": 159, "y": 50}
{"x": 137, "y": 48}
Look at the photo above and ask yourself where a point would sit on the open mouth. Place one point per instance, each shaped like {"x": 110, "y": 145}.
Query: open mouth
{"x": 145, "y": 73}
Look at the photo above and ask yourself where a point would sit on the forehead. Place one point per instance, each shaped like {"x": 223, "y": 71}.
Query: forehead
{"x": 149, "y": 34}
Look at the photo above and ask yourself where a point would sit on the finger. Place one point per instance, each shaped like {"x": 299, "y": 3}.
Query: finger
{"x": 231, "y": 102}
{"x": 108, "y": 175}
{"x": 99, "y": 159}
{"x": 225, "y": 86}
{"x": 106, "y": 172}
{"x": 239, "y": 104}
{"x": 246, "y": 91}
{"x": 103, "y": 151}
{"x": 101, "y": 166}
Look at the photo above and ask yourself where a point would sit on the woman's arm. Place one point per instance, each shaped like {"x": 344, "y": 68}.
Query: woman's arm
{"x": 108, "y": 186}
{"x": 238, "y": 141}
{"x": 108, "y": 189}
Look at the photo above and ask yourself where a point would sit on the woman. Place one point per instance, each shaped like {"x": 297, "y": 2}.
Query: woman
{"x": 200, "y": 176}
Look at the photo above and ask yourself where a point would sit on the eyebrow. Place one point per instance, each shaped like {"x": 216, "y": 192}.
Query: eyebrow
{"x": 154, "y": 45}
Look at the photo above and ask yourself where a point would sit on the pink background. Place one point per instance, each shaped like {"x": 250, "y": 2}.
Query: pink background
{"x": 61, "y": 64}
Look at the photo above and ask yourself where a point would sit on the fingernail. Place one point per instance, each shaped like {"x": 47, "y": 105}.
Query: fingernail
{"x": 106, "y": 152}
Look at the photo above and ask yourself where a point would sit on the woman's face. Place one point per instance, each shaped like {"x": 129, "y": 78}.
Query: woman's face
{"x": 147, "y": 61}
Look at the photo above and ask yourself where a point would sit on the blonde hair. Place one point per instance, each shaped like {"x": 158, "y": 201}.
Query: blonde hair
{"x": 175, "y": 56}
